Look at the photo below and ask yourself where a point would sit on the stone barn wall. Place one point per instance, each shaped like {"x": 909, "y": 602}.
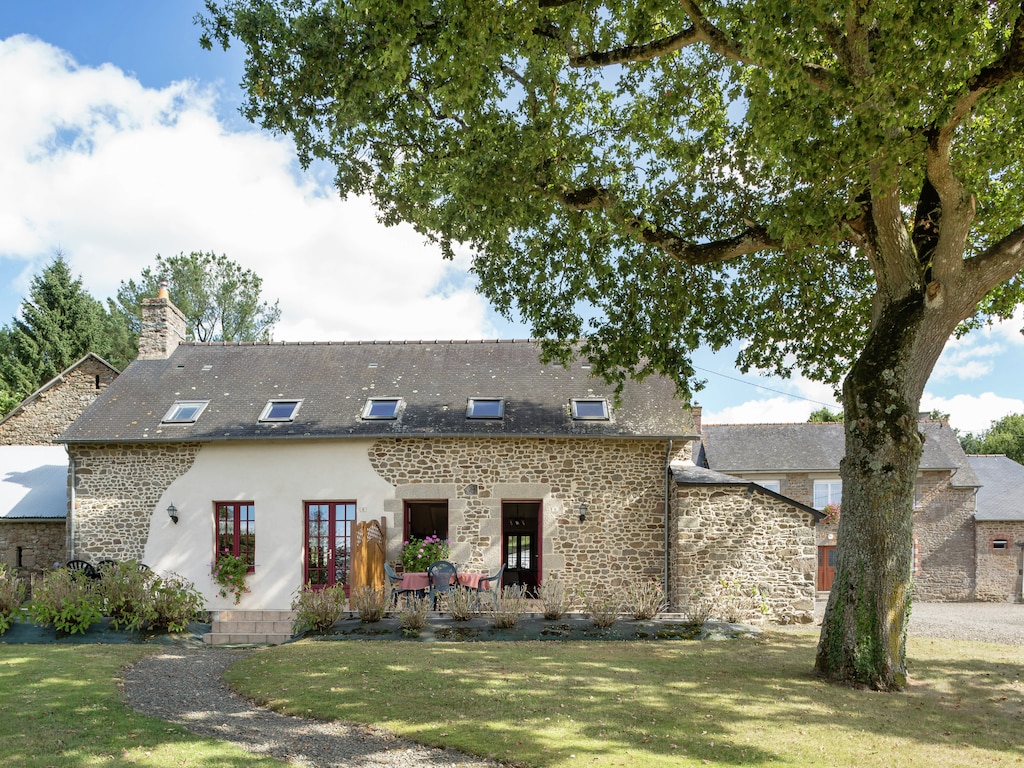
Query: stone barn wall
{"x": 728, "y": 541}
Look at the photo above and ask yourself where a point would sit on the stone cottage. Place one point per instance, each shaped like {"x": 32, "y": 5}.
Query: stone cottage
{"x": 801, "y": 462}
{"x": 273, "y": 451}
{"x": 999, "y": 528}
{"x": 34, "y": 470}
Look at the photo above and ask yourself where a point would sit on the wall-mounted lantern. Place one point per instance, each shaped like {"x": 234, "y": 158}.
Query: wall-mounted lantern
{"x": 581, "y": 511}
{"x": 172, "y": 512}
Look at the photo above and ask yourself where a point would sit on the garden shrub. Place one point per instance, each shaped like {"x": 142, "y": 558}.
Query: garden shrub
{"x": 12, "y": 595}
{"x": 554, "y": 598}
{"x": 65, "y": 600}
{"x": 371, "y": 603}
{"x": 128, "y": 595}
{"x": 511, "y": 606}
{"x": 318, "y": 609}
{"x": 412, "y": 616}
{"x": 645, "y": 599}
{"x": 176, "y": 602}
{"x": 461, "y": 603}
{"x": 604, "y": 607}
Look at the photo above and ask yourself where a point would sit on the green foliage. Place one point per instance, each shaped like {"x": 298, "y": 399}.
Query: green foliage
{"x": 65, "y": 600}
{"x": 824, "y": 415}
{"x": 319, "y": 609}
{"x": 1005, "y": 436}
{"x": 59, "y": 323}
{"x": 128, "y": 595}
{"x": 176, "y": 602}
{"x": 418, "y": 554}
{"x": 12, "y": 595}
{"x": 229, "y": 573}
{"x": 220, "y": 300}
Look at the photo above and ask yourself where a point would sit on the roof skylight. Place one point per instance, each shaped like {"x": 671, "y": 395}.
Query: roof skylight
{"x": 589, "y": 409}
{"x": 485, "y": 408}
{"x": 184, "y": 411}
{"x": 280, "y": 410}
{"x": 382, "y": 408}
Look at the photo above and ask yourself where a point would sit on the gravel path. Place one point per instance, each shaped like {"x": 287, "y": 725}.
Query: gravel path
{"x": 184, "y": 686}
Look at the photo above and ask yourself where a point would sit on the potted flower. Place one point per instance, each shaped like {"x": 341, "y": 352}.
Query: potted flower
{"x": 831, "y": 513}
{"x": 417, "y": 554}
{"x": 229, "y": 572}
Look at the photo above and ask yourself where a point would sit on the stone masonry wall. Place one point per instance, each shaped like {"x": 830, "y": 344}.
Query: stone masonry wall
{"x": 728, "y": 541}
{"x": 41, "y": 543}
{"x": 621, "y": 482}
{"x": 116, "y": 490}
{"x": 999, "y": 570}
{"x": 47, "y": 416}
{"x": 944, "y": 538}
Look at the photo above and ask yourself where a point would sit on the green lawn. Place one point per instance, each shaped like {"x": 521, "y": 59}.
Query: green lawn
{"x": 555, "y": 703}
{"x": 725, "y": 703}
{"x": 60, "y": 707}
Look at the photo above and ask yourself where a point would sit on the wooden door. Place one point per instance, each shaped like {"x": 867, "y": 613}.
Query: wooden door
{"x": 826, "y": 568}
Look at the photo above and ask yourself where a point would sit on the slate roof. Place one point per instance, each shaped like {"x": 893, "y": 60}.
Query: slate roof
{"x": 1001, "y": 495}
{"x": 435, "y": 379}
{"x": 33, "y": 482}
{"x": 694, "y": 475}
{"x": 815, "y": 447}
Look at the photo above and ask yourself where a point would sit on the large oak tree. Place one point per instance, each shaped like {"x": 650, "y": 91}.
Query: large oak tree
{"x": 836, "y": 184}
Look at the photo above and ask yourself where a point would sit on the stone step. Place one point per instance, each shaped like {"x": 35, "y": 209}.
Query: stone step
{"x": 231, "y": 627}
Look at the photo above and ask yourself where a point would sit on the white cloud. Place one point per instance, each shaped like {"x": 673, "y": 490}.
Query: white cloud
{"x": 972, "y": 413}
{"x": 113, "y": 173}
{"x": 771, "y": 410}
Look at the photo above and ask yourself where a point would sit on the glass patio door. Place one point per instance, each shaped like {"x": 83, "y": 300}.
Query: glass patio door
{"x": 328, "y": 543}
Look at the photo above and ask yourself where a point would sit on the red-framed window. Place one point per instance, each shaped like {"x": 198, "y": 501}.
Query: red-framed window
{"x": 236, "y": 530}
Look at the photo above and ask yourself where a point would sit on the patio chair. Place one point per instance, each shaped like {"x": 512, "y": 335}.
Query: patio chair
{"x": 442, "y": 577}
{"x": 82, "y": 567}
{"x": 493, "y": 587}
{"x": 396, "y": 581}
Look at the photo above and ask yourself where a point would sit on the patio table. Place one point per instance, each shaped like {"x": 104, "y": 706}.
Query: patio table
{"x": 417, "y": 581}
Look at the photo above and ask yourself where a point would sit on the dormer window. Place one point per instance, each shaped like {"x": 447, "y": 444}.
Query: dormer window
{"x": 382, "y": 408}
{"x": 184, "y": 411}
{"x": 485, "y": 408}
{"x": 280, "y": 410}
{"x": 589, "y": 409}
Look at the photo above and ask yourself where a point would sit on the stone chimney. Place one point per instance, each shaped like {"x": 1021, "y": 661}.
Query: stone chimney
{"x": 695, "y": 411}
{"x": 163, "y": 326}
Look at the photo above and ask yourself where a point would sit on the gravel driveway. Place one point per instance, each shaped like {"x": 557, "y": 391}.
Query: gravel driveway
{"x": 1001, "y": 623}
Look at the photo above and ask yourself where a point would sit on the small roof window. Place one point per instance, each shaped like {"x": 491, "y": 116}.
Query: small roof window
{"x": 184, "y": 411}
{"x": 280, "y": 410}
{"x": 382, "y": 408}
{"x": 485, "y": 408}
{"x": 589, "y": 408}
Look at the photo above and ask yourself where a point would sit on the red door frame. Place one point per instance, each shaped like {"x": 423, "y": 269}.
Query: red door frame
{"x": 826, "y": 567}
{"x": 332, "y": 537}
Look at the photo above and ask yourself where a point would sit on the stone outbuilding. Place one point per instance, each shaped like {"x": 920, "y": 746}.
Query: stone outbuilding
{"x": 34, "y": 470}
{"x": 801, "y": 462}
{"x": 999, "y": 528}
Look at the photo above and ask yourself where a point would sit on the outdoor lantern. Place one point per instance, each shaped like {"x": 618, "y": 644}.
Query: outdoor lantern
{"x": 172, "y": 512}
{"x": 582, "y": 509}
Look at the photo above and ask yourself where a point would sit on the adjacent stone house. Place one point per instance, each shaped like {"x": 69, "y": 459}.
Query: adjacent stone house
{"x": 273, "y": 452}
{"x": 34, "y": 471}
{"x": 801, "y": 462}
{"x": 999, "y": 528}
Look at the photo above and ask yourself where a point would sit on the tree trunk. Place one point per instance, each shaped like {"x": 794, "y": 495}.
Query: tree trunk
{"x": 863, "y": 636}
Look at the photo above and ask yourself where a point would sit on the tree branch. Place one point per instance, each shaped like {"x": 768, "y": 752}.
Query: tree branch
{"x": 997, "y": 264}
{"x": 702, "y": 31}
{"x": 1008, "y": 67}
{"x": 753, "y": 239}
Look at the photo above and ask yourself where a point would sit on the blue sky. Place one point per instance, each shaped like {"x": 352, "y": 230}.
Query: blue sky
{"x": 120, "y": 140}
